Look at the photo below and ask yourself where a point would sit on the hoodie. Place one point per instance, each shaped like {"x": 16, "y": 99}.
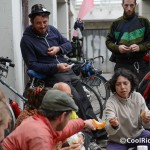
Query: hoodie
{"x": 34, "y": 50}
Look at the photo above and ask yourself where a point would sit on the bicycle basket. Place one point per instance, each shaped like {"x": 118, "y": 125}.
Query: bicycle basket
{"x": 92, "y": 81}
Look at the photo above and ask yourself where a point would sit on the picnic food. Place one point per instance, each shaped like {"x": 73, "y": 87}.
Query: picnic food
{"x": 99, "y": 125}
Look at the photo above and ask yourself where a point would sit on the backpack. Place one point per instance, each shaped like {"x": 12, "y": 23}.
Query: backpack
{"x": 144, "y": 89}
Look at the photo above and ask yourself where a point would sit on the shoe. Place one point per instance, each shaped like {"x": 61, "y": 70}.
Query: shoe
{"x": 94, "y": 146}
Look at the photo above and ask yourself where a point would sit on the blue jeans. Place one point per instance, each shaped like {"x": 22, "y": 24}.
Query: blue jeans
{"x": 118, "y": 146}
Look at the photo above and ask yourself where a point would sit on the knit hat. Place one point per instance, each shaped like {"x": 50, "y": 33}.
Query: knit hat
{"x": 56, "y": 100}
{"x": 38, "y": 8}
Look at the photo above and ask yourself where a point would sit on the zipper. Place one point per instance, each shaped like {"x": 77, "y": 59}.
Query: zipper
{"x": 49, "y": 47}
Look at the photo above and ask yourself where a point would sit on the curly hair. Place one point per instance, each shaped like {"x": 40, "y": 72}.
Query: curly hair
{"x": 35, "y": 96}
{"x": 125, "y": 73}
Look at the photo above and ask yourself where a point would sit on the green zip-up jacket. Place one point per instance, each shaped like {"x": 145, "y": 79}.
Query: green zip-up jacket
{"x": 137, "y": 33}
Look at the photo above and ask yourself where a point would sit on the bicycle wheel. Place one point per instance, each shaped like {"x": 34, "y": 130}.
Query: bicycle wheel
{"x": 94, "y": 100}
{"x": 12, "y": 123}
{"x": 100, "y": 85}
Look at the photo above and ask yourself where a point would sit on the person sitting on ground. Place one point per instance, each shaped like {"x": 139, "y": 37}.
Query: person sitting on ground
{"x": 126, "y": 113}
{"x": 50, "y": 125}
{"x": 84, "y": 137}
{"x": 34, "y": 100}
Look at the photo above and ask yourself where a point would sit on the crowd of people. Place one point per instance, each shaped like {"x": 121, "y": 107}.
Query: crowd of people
{"x": 59, "y": 116}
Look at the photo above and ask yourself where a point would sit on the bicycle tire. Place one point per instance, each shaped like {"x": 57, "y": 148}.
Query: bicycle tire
{"x": 100, "y": 85}
{"x": 12, "y": 123}
{"x": 94, "y": 100}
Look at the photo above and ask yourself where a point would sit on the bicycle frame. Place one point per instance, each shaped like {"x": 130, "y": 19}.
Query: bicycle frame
{"x": 5, "y": 63}
{"x": 13, "y": 90}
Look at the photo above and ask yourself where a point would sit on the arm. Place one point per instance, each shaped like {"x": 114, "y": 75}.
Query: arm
{"x": 31, "y": 60}
{"x": 145, "y": 45}
{"x": 110, "y": 40}
{"x": 71, "y": 128}
{"x": 111, "y": 43}
{"x": 74, "y": 126}
{"x": 112, "y": 125}
{"x": 145, "y": 116}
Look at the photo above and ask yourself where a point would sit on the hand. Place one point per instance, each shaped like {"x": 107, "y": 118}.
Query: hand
{"x": 134, "y": 48}
{"x": 53, "y": 50}
{"x": 81, "y": 139}
{"x": 145, "y": 116}
{"x": 75, "y": 146}
{"x": 124, "y": 49}
{"x": 114, "y": 122}
{"x": 63, "y": 67}
{"x": 89, "y": 124}
{"x": 59, "y": 145}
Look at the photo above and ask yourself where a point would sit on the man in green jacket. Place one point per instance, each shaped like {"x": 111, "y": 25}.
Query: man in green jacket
{"x": 129, "y": 40}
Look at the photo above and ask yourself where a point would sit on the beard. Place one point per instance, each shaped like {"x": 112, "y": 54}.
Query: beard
{"x": 129, "y": 13}
{"x": 39, "y": 33}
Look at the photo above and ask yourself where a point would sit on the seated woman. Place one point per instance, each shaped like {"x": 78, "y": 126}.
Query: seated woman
{"x": 126, "y": 113}
{"x": 34, "y": 96}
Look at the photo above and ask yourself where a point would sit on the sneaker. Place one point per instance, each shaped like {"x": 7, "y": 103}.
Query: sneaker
{"x": 94, "y": 146}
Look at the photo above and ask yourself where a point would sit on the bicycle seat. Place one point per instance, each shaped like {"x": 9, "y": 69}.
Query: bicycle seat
{"x": 34, "y": 74}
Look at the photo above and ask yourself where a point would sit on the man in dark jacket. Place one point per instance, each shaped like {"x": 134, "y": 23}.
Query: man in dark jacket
{"x": 129, "y": 40}
{"x": 43, "y": 49}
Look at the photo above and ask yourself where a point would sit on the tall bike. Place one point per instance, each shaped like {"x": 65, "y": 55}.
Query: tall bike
{"x": 97, "y": 80}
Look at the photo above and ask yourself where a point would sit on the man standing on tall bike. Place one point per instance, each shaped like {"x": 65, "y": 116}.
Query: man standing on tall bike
{"x": 43, "y": 49}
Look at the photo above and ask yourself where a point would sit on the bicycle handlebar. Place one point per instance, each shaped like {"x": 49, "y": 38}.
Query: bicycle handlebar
{"x": 86, "y": 60}
{"x": 92, "y": 59}
{"x": 2, "y": 59}
{"x": 6, "y": 61}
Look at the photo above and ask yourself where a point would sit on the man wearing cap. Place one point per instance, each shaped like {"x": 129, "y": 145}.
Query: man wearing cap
{"x": 43, "y": 49}
{"x": 89, "y": 139}
{"x": 43, "y": 130}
